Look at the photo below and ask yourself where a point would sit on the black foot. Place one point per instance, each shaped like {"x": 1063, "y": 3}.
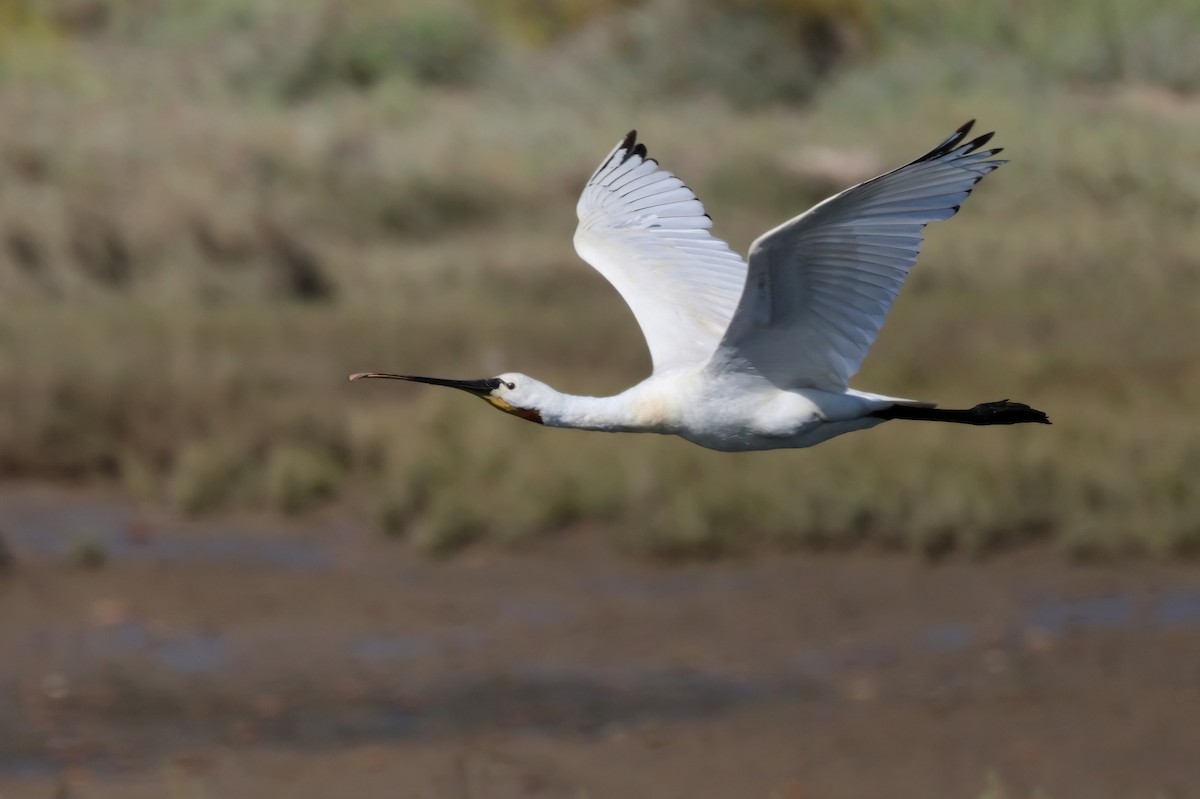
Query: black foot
{"x": 1005, "y": 412}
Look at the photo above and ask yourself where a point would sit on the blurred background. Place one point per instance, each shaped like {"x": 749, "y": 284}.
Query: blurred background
{"x": 226, "y": 572}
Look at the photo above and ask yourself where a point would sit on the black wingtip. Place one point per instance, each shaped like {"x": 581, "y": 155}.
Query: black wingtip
{"x": 980, "y": 141}
{"x": 631, "y": 147}
{"x": 954, "y": 142}
{"x": 949, "y": 144}
{"x": 628, "y": 148}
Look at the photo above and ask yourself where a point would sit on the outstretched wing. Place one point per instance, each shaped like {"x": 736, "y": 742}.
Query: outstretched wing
{"x": 646, "y": 232}
{"x": 820, "y": 285}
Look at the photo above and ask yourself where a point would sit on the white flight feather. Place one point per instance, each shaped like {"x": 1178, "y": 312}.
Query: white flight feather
{"x": 817, "y": 289}
{"x": 646, "y": 232}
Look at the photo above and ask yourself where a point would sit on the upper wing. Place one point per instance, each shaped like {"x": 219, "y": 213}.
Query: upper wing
{"x": 820, "y": 285}
{"x": 646, "y": 232}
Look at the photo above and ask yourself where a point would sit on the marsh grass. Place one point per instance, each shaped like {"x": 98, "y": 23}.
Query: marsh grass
{"x": 187, "y": 286}
{"x": 8, "y": 560}
{"x": 299, "y": 478}
{"x": 88, "y": 551}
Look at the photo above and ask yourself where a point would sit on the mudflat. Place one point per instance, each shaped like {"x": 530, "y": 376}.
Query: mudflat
{"x": 247, "y": 657}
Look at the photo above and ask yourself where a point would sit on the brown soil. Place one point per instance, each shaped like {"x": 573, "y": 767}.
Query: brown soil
{"x": 248, "y": 658}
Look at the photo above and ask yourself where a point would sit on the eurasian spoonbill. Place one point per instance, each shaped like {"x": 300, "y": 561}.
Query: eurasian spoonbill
{"x": 757, "y": 356}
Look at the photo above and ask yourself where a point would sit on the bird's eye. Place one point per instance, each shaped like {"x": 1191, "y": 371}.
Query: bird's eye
{"x": 508, "y": 385}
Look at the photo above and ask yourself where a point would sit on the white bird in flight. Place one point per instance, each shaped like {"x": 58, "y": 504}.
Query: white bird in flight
{"x": 753, "y": 356}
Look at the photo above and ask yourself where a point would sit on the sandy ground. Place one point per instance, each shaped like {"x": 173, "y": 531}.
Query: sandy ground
{"x": 244, "y": 657}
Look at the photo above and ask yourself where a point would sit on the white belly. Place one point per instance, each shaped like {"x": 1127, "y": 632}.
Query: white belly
{"x": 774, "y": 420}
{"x": 746, "y": 440}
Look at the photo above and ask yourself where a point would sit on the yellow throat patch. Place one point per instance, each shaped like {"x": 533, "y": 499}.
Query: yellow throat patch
{"x": 528, "y": 414}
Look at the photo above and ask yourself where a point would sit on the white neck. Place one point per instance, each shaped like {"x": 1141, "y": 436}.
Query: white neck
{"x": 632, "y": 411}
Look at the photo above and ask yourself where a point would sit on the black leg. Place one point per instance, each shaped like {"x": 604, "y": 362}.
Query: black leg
{"x": 1002, "y": 412}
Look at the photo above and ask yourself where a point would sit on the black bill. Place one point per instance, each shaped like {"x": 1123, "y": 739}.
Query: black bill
{"x": 480, "y": 387}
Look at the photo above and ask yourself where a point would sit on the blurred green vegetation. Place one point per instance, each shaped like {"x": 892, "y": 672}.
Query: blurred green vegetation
{"x": 210, "y": 213}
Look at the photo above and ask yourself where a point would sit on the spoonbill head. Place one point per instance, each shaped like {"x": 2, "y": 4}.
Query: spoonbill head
{"x": 513, "y": 393}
